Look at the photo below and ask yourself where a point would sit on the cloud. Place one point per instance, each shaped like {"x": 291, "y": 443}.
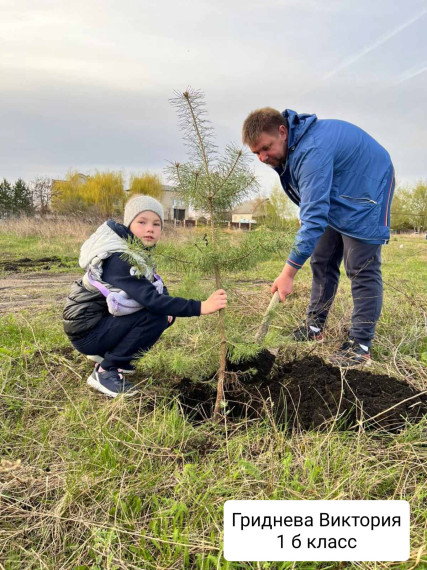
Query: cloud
{"x": 89, "y": 88}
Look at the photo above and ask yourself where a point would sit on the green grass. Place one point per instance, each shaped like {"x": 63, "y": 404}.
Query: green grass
{"x": 91, "y": 483}
{"x": 38, "y": 238}
{"x": 35, "y": 248}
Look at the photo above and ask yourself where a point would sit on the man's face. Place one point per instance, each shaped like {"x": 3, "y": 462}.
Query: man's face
{"x": 272, "y": 148}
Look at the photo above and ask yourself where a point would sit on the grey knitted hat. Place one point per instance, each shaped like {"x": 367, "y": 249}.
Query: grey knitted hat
{"x": 140, "y": 203}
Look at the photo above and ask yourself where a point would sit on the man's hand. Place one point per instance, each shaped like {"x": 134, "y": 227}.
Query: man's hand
{"x": 215, "y": 302}
{"x": 170, "y": 319}
{"x": 284, "y": 282}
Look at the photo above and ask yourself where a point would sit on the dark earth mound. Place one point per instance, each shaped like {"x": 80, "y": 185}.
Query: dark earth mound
{"x": 26, "y": 263}
{"x": 309, "y": 393}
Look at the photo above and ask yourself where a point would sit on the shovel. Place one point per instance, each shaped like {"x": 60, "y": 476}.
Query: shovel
{"x": 264, "y": 361}
{"x": 265, "y": 323}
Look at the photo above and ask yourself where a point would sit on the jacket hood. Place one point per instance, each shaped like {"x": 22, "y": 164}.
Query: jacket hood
{"x": 121, "y": 230}
{"x": 298, "y": 125}
{"x": 109, "y": 238}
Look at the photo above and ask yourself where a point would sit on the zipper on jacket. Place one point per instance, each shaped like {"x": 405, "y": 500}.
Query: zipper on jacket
{"x": 358, "y": 199}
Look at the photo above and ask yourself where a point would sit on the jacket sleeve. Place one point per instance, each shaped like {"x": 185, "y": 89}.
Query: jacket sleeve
{"x": 117, "y": 273}
{"x": 314, "y": 174}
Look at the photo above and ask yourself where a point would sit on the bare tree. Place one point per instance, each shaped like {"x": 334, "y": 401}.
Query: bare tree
{"x": 41, "y": 189}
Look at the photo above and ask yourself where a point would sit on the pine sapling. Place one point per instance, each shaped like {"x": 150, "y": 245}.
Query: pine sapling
{"x": 210, "y": 183}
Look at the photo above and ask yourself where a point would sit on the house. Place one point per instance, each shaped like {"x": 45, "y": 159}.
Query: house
{"x": 174, "y": 208}
{"x": 250, "y": 211}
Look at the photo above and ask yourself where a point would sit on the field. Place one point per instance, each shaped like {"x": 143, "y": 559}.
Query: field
{"x": 91, "y": 483}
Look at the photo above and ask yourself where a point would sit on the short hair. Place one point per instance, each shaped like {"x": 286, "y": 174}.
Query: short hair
{"x": 264, "y": 120}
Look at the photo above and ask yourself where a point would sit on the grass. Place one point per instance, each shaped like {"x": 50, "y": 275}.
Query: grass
{"x": 40, "y": 237}
{"x": 89, "y": 483}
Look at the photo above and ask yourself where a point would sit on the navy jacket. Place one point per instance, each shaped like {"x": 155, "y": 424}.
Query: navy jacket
{"x": 339, "y": 176}
{"x": 84, "y": 309}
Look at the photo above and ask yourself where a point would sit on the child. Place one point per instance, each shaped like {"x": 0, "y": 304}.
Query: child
{"x": 138, "y": 295}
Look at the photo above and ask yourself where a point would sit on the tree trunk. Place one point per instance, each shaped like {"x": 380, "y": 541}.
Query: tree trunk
{"x": 223, "y": 341}
{"x": 223, "y": 356}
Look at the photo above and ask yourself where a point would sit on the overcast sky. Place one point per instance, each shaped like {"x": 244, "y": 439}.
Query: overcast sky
{"x": 86, "y": 84}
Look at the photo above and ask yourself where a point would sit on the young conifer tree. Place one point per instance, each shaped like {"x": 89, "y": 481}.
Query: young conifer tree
{"x": 212, "y": 183}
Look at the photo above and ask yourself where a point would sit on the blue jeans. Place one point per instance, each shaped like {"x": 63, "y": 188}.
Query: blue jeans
{"x": 362, "y": 262}
{"x": 120, "y": 339}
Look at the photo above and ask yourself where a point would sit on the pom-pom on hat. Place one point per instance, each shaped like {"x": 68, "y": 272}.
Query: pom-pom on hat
{"x": 141, "y": 203}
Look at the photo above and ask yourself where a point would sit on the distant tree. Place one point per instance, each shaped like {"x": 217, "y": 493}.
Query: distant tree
{"x": 409, "y": 208}
{"x": 67, "y": 195}
{"x": 22, "y": 199}
{"x": 104, "y": 191}
{"x": 6, "y": 198}
{"x": 101, "y": 193}
{"x": 281, "y": 212}
{"x": 399, "y": 213}
{"x": 41, "y": 189}
{"x": 281, "y": 205}
{"x": 146, "y": 183}
{"x": 418, "y": 205}
{"x": 15, "y": 200}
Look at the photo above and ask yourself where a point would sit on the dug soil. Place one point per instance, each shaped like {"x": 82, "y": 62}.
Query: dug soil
{"x": 309, "y": 393}
{"x": 25, "y": 264}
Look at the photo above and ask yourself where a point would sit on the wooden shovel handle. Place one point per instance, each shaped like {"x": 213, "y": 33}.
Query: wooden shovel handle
{"x": 265, "y": 323}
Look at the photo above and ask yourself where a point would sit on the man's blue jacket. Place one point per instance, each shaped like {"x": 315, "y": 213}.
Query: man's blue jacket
{"x": 339, "y": 176}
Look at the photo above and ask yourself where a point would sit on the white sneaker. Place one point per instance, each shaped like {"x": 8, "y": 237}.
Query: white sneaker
{"x": 111, "y": 383}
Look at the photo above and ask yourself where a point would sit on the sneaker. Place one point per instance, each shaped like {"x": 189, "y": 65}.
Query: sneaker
{"x": 307, "y": 332}
{"x": 351, "y": 354}
{"x": 110, "y": 382}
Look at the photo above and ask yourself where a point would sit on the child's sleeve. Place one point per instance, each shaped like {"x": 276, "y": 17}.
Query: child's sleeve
{"x": 117, "y": 273}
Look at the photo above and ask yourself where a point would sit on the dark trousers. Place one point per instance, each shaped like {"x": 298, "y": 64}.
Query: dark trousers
{"x": 362, "y": 262}
{"x": 120, "y": 339}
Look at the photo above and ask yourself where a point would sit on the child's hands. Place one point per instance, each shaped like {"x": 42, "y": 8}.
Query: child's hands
{"x": 215, "y": 302}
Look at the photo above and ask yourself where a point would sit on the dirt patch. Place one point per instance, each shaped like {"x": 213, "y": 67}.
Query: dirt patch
{"x": 26, "y": 264}
{"x": 310, "y": 393}
{"x": 34, "y": 290}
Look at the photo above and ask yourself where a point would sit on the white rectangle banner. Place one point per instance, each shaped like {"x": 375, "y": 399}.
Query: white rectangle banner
{"x": 267, "y": 531}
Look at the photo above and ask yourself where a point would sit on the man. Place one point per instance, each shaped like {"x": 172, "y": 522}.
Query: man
{"x": 343, "y": 182}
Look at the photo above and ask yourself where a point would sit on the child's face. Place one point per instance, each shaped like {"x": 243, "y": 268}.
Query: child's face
{"x": 147, "y": 226}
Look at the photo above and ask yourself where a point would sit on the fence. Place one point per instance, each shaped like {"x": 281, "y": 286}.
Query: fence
{"x": 246, "y": 226}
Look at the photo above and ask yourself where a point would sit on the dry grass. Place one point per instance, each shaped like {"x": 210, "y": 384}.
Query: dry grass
{"x": 52, "y": 227}
{"x": 75, "y": 229}
{"x": 97, "y": 484}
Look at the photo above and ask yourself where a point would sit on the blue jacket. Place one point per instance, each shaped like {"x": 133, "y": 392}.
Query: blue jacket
{"x": 339, "y": 176}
